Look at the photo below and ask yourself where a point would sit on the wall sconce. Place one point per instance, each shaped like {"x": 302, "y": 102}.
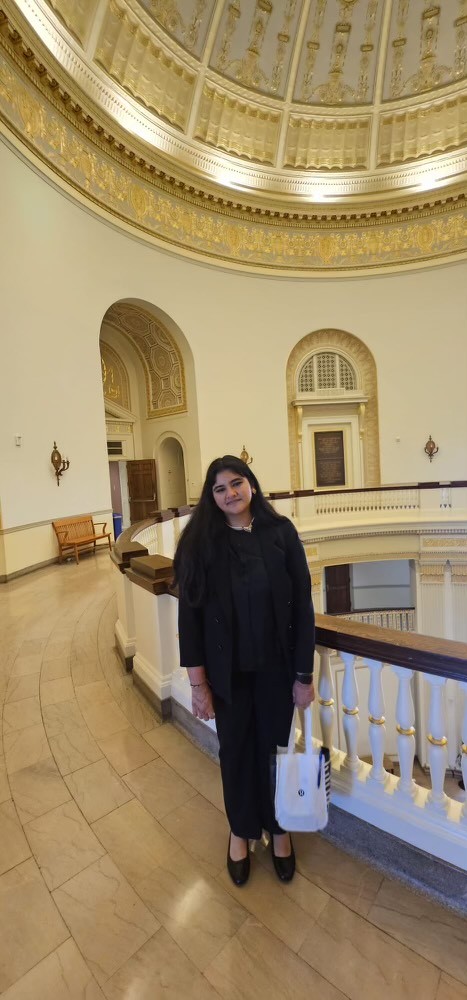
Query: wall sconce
{"x": 60, "y": 464}
{"x": 431, "y": 448}
{"x": 245, "y": 457}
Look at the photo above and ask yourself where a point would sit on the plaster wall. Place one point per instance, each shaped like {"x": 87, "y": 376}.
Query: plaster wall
{"x": 64, "y": 267}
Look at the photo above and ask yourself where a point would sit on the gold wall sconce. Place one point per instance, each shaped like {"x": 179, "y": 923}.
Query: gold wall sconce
{"x": 245, "y": 457}
{"x": 431, "y": 449}
{"x": 60, "y": 464}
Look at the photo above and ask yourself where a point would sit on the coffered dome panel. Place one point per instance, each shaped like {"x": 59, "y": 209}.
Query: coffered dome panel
{"x": 306, "y": 116}
{"x": 254, "y": 45}
{"x": 187, "y": 23}
{"x": 339, "y": 56}
{"x": 427, "y": 47}
{"x": 328, "y": 95}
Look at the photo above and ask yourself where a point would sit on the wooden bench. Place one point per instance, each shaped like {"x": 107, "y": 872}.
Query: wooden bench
{"x": 79, "y": 532}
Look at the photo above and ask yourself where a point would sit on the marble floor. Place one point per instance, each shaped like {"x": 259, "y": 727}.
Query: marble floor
{"x": 113, "y": 839}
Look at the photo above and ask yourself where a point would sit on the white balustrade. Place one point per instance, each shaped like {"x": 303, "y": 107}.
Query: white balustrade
{"x": 437, "y": 750}
{"x": 325, "y": 696}
{"x": 376, "y": 720}
{"x": 368, "y": 500}
{"x": 351, "y": 719}
{"x": 400, "y": 619}
{"x": 405, "y": 718}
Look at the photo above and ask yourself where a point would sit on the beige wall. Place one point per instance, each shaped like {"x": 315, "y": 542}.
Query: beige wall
{"x": 64, "y": 267}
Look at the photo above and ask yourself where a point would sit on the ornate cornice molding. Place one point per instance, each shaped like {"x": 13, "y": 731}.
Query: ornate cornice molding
{"x": 66, "y": 132}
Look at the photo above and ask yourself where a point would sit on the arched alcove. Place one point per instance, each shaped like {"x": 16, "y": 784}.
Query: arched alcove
{"x": 171, "y": 473}
{"x": 139, "y": 338}
{"x": 332, "y": 393}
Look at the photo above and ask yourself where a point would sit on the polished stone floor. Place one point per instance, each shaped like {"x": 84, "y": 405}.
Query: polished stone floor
{"x": 113, "y": 841}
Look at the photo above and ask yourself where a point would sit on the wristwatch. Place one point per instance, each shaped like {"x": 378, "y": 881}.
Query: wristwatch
{"x": 304, "y": 678}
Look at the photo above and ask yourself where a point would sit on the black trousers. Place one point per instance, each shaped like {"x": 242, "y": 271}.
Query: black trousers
{"x": 249, "y": 730}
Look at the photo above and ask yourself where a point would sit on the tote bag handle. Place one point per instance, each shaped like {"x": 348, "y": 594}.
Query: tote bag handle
{"x": 308, "y": 732}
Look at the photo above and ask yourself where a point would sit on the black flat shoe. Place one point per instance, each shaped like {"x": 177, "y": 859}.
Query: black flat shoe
{"x": 239, "y": 871}
{"x": 285, "y": 867}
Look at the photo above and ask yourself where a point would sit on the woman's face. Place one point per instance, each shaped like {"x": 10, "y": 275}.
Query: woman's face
{"x": 232, "y": 494}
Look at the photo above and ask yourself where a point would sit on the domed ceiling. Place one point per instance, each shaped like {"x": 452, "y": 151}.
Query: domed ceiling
{"x": 303, "y": 135}
{"x": 304, "y": 100}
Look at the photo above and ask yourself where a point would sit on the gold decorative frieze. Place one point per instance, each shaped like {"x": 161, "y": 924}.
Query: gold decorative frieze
{"x": 148, "y": 71}
{"x": 38, "y": 113}
{"x": 77, "y": 15}
{"x": 459, "y": 574}
{"x": 422, "y": 131}
{"x": 333, "y": 143}
{"x": 432, "y": 573}
{"x": 115, "y": 381}
{"x": 114, "y": 427}
{"x": 160, "y": 357}
{"x": 445, "y": 542}
{"x": 236, "y": 126}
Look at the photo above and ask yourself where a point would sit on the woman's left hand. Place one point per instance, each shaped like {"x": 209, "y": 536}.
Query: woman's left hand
{"x": 303, "y": 694}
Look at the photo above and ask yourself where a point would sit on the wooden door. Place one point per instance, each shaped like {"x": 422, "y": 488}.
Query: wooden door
{"x": 115, "y": 488}
{"x": 337, "y": 580}
{"x": 142, "y": 488}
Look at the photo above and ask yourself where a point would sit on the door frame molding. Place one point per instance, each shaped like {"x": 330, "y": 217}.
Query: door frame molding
{"x": 364, "y": 364}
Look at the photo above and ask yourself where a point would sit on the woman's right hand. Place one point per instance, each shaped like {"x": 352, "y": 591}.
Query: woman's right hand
{"x": 201, "y": 702}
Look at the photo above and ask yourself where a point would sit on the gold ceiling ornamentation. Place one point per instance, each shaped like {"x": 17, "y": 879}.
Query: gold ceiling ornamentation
{"x": 162, "y": 362}
{"x": 412, "y": 133}
{"x": 334, "y": 143}
{"x": 77, "y": 15}
{"x": 115, "y": 381}
{"x": 154, "y": 76}
{"x": 149, "y": 73}
{"x": 49, "y": 115}
{"x": 312, "y": 47}
{"x": 237, "y": 127}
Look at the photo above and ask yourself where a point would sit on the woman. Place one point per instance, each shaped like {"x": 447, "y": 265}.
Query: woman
{"x": 246, "y": 629}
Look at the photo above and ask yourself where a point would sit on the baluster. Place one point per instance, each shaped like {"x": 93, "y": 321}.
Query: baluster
{"x": 376, "y": 720}
{"x": 437, "y": 753}
{"x": 350, "y": 709}
{"x": 405, "y": 717}
{"x": 463, "y": 685}
{"x": 325, "y": 696}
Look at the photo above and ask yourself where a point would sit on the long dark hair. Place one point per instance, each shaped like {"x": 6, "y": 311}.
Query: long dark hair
{"x": 197, "y": 544}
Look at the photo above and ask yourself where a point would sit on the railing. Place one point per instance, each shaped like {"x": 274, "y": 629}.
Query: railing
{"x": 415, "y": 499}
{"x": 388, "y": 666}
{"x": 400, "y": 619}
{"x": 426, "y": 817}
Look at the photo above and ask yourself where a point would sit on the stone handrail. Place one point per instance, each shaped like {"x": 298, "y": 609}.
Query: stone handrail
{"x": 394, "y": 665}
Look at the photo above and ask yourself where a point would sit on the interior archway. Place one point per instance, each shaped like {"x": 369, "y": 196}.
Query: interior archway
{"x": 171, "y": 472}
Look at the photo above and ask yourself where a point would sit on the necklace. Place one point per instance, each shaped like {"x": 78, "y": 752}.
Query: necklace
{"x": 241, "y": 527}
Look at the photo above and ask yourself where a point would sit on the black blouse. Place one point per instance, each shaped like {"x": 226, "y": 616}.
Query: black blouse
{"x": 256, "y": 645}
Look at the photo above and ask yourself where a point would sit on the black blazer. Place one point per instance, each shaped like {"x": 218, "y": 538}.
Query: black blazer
{"x": 205, "y": 633}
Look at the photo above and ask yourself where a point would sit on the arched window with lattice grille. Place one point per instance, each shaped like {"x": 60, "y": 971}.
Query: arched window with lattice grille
{"x": 326, "y": 371}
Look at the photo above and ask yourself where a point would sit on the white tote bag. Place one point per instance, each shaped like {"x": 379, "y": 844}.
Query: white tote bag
{"x": 302, "y": 784}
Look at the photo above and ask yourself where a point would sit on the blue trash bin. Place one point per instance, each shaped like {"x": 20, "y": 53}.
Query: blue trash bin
{"x": 118, "y": 525}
